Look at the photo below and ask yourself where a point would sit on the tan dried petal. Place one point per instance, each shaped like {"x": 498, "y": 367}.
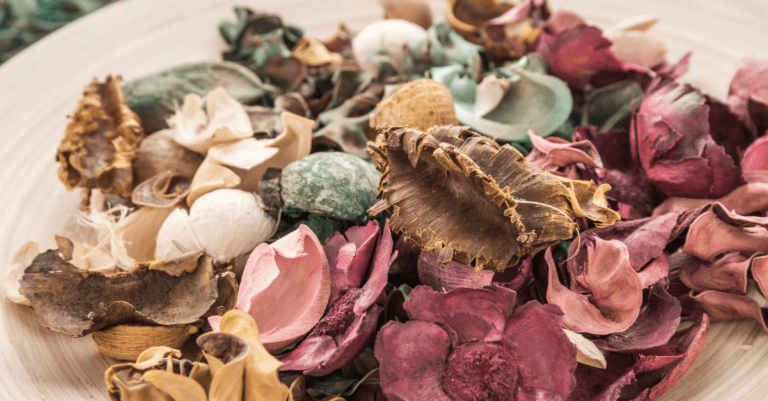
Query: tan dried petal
{"x": 420, "y": 104}
{"x": 158, "y": 153}
{"x": 99, "y": 141}
{"x": 75, "y": 302}
{"x": 483, "y": 202}
{"x": 11, "y": 280}
{"x": 133, "y": 238}
{"x": 165, "y": 189}
{"x": 313, "y": 53}
{"x": 209, "y": 177}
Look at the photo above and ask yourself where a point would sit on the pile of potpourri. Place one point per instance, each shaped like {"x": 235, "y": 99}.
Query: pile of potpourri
{"x": 510, "y": 205}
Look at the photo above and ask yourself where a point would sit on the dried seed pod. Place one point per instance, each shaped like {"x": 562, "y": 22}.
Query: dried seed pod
{"x": 158, "y": 153}
{"x": 126, "y": 342}
{"x": 420, "y": 104}
{"x": 99, "y": 141}
{"x": 416, "y": 11}
{"x": 70, "y": 301}
{"x": 468, "y": 16}
{"x": 472, "y": 200}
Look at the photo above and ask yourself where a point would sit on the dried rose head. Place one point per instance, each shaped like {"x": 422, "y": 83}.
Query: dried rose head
{"x": 475, "y": 201}
{"x": 99, "y": 141}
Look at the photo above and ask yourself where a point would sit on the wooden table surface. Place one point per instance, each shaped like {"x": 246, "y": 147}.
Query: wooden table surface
{"x": 40, "y": 87}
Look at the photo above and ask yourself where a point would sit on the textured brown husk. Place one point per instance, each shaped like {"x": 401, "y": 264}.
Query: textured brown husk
{"x": 99, "y": 141}
{"x": 76, "y": 302}
{"x": 471, "y": 199}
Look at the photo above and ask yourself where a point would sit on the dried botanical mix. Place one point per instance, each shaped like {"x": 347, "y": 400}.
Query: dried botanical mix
{"x": 512, "y": 204}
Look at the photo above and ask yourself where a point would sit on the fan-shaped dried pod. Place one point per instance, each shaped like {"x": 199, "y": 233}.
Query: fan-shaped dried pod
{"x": 432, "y": 181}
{"x": 158, "y": 153}
{"x": 420, "y": 104}
{"x": 226, "y": 223}
{"x": 163, "y": 190}
{"x": 126, "y": 342}
{"x": 70, "y": 301}
{"x": 416, "y": 11}
{"x": 99, "y": 141}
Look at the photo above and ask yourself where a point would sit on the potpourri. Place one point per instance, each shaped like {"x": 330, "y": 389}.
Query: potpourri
{"x": 509, "y": 205}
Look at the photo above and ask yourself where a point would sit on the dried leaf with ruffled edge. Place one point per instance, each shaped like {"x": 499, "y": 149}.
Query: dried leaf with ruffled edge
{"x": 69, "y": 300}
{"x": 163, "y": 190}
{"x": 261, "y": 380}
{"x": 516, "y": 208}
{"x": 158, "y": 375}
{"x": 99, "y": 141}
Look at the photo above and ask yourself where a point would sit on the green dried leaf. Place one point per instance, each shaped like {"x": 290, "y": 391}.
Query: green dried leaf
{"x": 155, "y": 97}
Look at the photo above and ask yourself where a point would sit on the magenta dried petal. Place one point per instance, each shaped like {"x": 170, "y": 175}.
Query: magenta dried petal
{"x": 473, "y": 314}
{"x": 407, "y": 257}
{"x": 710, "y": 236}
{"x": 616, "y": 293}
{"x": 552, "y": 153}
{"x": 481, "y": 371}
{"x": 728, "y": 130}
{"x": 759, "y": 268}
{"x": 612, "y": 146}
{"x": 692, "y": 341}
{"x": 575, "y": 55}
{"x": 645, "y": 239}
{"x": 728, "y": 273}
{"x": 755, "y": 158}
{"x": 515, "y": 277}
{"x": 655, "y": 326}
{"x": 593, "y": 384}
{"x": 561, "y": 20}
{"x": 546, "y": 357}
{"x": 377, "y": 278}
{"x": 671, "y": 137}
{"x": 412, "y": 358}
{"x": 356, "y": 338}
{"x": 312, "y": 351}
{"x": 744, "y": 200}
{"x": 724, "y": 306}
{"x": 747, "y": 89}
{"x": 349, "y": 257}
{"x": 655, "y": 270}
{"x": 674, "y": 70}
{"x": 447, "y": 276}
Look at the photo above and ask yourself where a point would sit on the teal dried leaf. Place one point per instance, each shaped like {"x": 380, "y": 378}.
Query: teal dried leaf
{"x": 533, "y": 100}
{"x": 443, "y": 47}
{"x": 155, "y": 97}
{"x": 611, "y": 106}
{"x": 330, "y": 183}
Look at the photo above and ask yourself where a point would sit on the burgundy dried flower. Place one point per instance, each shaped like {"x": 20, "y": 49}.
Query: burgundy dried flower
{"x": 474, "y": 344}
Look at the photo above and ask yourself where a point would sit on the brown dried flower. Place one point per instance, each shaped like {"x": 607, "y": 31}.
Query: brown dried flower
{"x": 99, "y": 141}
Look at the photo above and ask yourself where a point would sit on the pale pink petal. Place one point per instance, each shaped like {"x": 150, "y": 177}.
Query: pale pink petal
{"x": 285, "y": 287}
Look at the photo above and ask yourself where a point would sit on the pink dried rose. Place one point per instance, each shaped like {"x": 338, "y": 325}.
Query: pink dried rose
{"x": 746, "y": 199}
{"x": 558, "y": 156}
{"x": 748, "y": 94}
{"x": 671, "y": 138}
{"x": 604, "y": 293}
{"x": 285, "y": 288}
{"x": 575, "y": 55}
{"x": 722, "y": 256}
{"x": 360, "y": 260}
{"x": 642, "y": 375}
{"x": 475, "y": 344}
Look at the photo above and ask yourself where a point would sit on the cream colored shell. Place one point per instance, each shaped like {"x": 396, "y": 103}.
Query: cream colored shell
{"x": 393, "y": 34}
{"x": 419, "y": 104}
{"x": 226, "y": 222}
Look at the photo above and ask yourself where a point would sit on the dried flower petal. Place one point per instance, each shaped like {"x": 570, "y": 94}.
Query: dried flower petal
{"x": 285, "y": 287}
{"x": 97, "y": 148}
